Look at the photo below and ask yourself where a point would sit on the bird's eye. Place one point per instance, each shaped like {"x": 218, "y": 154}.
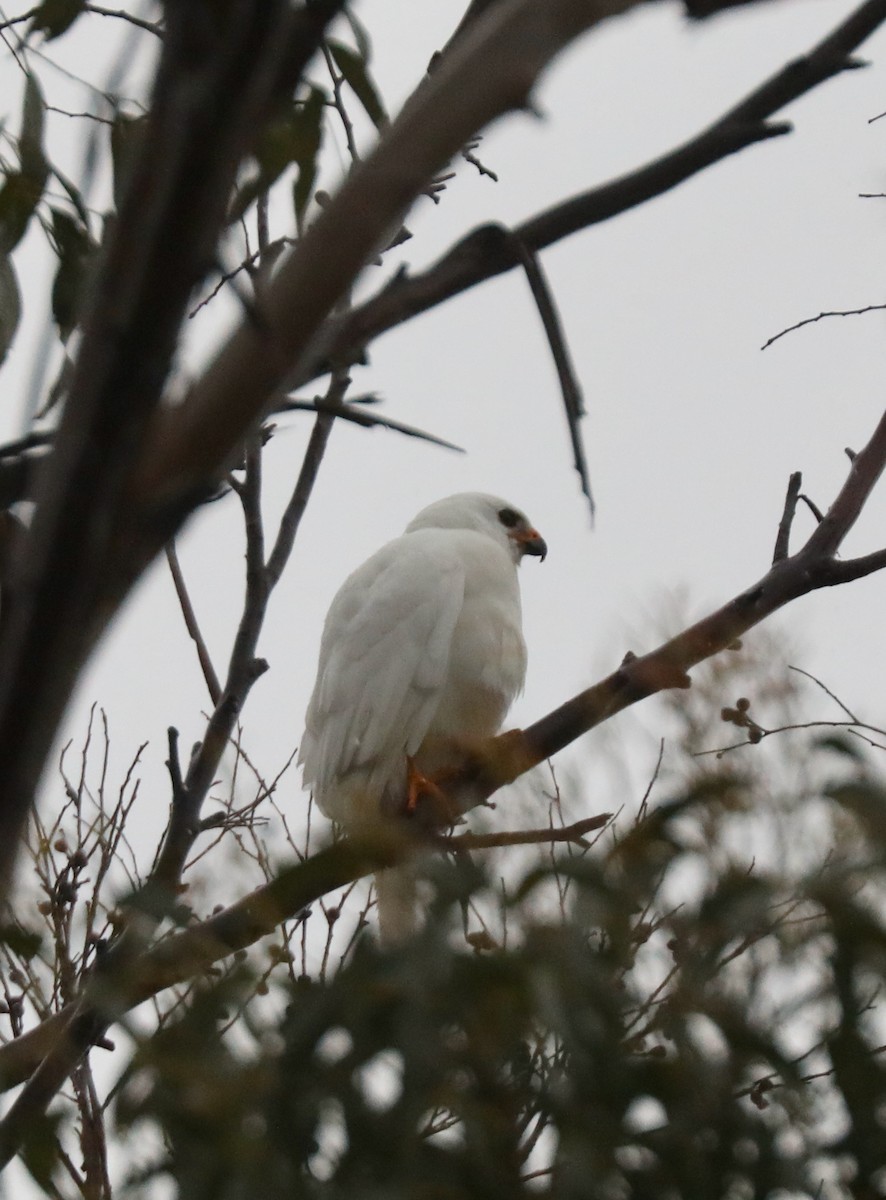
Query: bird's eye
{"x": 509, "y": 518}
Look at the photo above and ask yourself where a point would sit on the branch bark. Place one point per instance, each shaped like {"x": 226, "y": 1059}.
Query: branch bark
{"x": 491, "y": 71}
{"x": 489, "y": 250}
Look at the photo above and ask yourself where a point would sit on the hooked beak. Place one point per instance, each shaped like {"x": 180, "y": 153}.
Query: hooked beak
{"x": 530, "y": 541}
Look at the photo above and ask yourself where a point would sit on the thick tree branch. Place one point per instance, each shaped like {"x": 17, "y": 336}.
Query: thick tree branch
{"x": 812, "y": 567}
{"x": 221, "y": 70}
{"x": 490, "y": 72}
{"x": 489, "y": 250}
{"x": 83, "y": 1024}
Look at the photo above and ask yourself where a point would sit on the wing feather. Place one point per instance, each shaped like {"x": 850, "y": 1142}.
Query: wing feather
{"x": 384, "y": 661}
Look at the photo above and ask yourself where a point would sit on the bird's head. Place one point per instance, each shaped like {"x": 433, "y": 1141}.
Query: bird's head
{"x": 484, "y": 514}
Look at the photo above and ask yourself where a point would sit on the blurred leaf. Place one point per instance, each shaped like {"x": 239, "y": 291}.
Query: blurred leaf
{"x": 30, "y": 144}
{"x": 73, "y": 194}
{"x": 312, "y": 134}
{"x": 23, "y": 189}
{"x": 77, "y": 255}
{"x": 58, "y": 389}
{"x": 361, "y": 37}
{"x": 40, "y": 1149}
{"x": 126, "y": 133}
{"x": 24, "y": 943}
{"x": 355, "y": 72}
{"x": 19, "y": 197}
{"x": 10, "y": 304}
{"x": 293, "y": 137}
{"x": 858, "y": 1069}
{"x": 866, "y": 800}
{"x": 53, "y": 17}
{"x": 840, "y": 743}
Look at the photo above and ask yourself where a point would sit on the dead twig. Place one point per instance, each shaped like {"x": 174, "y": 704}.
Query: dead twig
{"x": 525, "y": 837}
{"x": 843, "y": 312}
{"x": 570, "y": 388}
{"x": 191, "y": 623}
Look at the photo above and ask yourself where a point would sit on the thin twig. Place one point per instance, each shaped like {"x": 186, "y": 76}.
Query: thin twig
{"x": 843, "y": 312}
{"x": 191, "y": 623}
{"x": 573, "y": 402}
{"x": 827, "y": 691}
{"x": 783, "y": 537}
{"x": 489, "y": 250}
{"x": 295, "y": 509}
{"x": 369, "y": 420}
{"x": 138, "y": 22}
{"x": 525, "y": 837}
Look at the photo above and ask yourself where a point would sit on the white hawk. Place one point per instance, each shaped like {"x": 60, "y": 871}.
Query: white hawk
{"x": 422, "y": 652}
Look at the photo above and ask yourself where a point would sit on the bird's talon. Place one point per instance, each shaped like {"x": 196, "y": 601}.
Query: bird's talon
{"x": 421, "y": 787}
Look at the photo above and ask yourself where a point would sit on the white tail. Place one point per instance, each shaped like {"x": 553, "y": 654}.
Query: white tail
{"x": 395, "y": 890}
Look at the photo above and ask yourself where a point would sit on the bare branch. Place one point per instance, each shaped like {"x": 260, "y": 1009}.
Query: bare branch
{"x": 490, "y": 72}
{"x": 570, "y": 388}
{"x": 525, "y": 837}
{"x": 192, "y": 624}
{"x": 489, "y": 251}
{"x": 842, "y": 312}
{"x": 215, "y": 83}
{"x": 783, "y": 537}
{"x": 814, "y": 566}
{"x": 295, "y": 509}
{"x": 138, "y": 22}
{"x": 369, "y": 420}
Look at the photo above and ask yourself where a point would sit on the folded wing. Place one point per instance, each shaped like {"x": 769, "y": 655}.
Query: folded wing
{"x": 384, "y": 663}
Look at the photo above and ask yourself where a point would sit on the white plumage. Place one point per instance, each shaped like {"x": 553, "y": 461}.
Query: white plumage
{"x": 422, "y": 651}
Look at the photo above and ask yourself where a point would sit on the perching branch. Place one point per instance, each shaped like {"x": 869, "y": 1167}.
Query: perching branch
{"x": 814, "y": 566}
{"x": 507, "y": 757}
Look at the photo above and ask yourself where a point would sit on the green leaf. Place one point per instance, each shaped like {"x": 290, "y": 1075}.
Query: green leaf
{"x": 312, "y": 136}
{"x": 53, "y": 17}
{"x": 19, "y": 197}
{"x": 866, "y": 800}
{"x": 40, "y": 1147}
{"x": 76, "y": 254}
{"x": 10, "y": 305}
{"x": 73, "y": 194}
{"x": 22, "y": 190}
{"x": 840, "y": 743}
{"x": 355, "y": 72}
{"x": 24, "y": 943}
{"x": 30, "y": 142}
{"x": 294, "y": 137}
